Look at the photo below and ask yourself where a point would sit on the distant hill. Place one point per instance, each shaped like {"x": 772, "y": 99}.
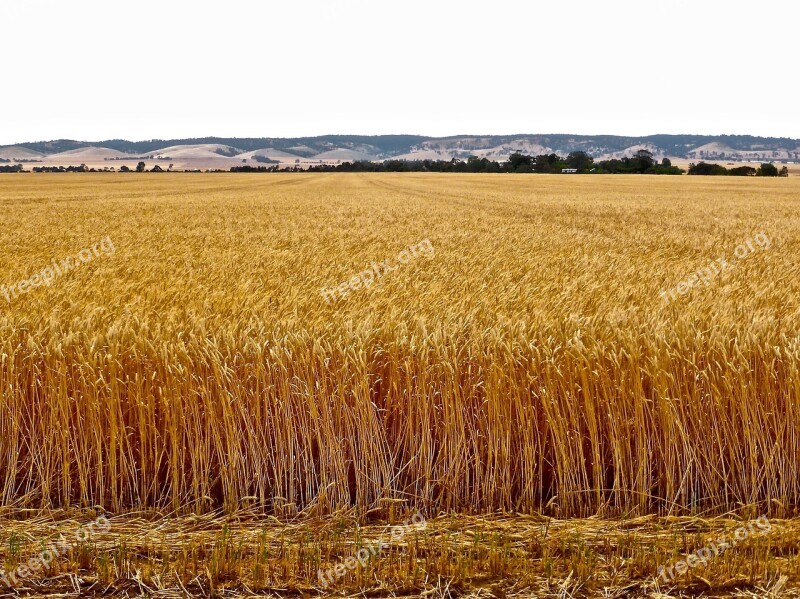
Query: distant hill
{"x": 223, "y": 152}
{"x": 303, "y": 147}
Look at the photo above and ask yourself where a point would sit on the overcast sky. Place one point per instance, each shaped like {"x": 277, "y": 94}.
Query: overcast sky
{"x": 140, "y": 70}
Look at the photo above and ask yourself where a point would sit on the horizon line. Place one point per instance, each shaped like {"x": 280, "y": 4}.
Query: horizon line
{"x": 401, "y": 135}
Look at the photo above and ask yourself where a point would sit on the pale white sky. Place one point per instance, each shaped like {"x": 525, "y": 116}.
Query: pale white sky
{"x": 93, "y": 70}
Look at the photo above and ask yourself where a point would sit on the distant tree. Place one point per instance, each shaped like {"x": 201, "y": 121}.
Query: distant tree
{"x": 547, "y": 163}
{"x": 643, "y": 160}
{"x": 767, "y": 170}
{"x": 704, "y": 168}
{"x": 666, "y": 162}
{"x": 579, "y": 160}
{"x": 124, "y": 169}
{"x": 156, "y": 169}
{"x": 519, "y": 163}
{"x": 170, "y": 167}
{"x": 742, "y": 171}
{"x": 784, "y": 172}
{"x": 140, "y": 167}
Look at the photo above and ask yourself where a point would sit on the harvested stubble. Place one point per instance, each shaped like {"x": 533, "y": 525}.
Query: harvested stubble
{"x": 529, "y": 365}
{"x": 459, "y": 555}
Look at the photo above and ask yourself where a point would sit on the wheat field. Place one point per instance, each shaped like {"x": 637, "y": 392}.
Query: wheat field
{"x": 554, "y": 354}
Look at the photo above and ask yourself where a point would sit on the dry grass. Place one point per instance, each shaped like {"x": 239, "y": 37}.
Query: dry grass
{"x": 529, "y": 366}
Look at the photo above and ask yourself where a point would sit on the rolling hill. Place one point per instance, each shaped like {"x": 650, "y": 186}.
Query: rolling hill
{"x": 218, "y": 152}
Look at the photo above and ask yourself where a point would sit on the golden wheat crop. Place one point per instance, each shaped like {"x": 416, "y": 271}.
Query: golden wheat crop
{"x": 530, "y": 364}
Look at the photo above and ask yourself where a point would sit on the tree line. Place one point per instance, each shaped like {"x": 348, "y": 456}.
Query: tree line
{"x": 765, "y": 170}
{"x": 576, "y": 162}
{"x": 141, "y": 167}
